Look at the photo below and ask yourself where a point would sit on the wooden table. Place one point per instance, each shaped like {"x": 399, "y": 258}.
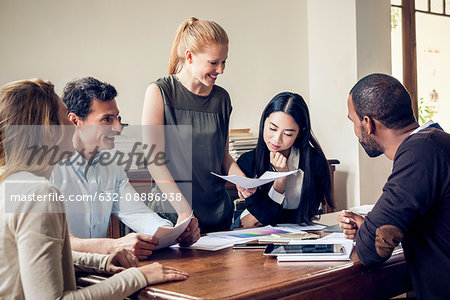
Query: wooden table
{"x": 247, "y": 274}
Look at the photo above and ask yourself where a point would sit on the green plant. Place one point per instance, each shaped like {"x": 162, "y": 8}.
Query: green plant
{"x": 395, "y": 17}
{"x": 426, "y": 112}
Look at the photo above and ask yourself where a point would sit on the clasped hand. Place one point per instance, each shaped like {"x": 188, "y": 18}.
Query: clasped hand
{"x": 141, "y": 245}
{"x": 350, "y": 223}
{"x": 278, "y": 161}
{"x": 120, "y": 260}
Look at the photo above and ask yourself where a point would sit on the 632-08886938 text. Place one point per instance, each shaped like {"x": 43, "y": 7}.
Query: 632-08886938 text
{"x": 114, "y": 197}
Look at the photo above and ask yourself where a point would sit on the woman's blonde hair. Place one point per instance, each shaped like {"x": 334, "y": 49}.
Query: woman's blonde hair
{"x": 195, "y": 35}
{"x": 26, "y": 102}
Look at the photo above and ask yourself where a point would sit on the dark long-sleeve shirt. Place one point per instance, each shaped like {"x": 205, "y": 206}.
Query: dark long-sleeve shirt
{"x": 414, "y": 209}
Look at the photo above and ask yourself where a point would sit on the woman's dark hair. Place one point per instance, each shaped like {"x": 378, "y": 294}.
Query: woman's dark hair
{"x": 313, "y": 192}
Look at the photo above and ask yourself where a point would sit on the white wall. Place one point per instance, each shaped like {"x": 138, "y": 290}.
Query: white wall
{"x": 373, "y": 25}
{"x": 332, "y": 72}
{"x": 316, "y": 48}
{"x": 127, "y": 43}
{"x": 347, "y": 40}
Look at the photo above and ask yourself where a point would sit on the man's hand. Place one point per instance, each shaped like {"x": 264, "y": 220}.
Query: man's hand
{"x": 121, "y": 260}
{"x": 249, "y": 221}
{"x": 190, "y": 235}
{"x": 141, "y": 245}
{"x": 245, "y": 193}
{"x": 350, "y": 223}
{"x": 278, "y": 161}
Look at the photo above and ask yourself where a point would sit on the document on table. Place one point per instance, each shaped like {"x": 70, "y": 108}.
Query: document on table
{"x": 167, "y": 236}
{"x": 249, "y": 183}
{"x": 255, "y": 232}
{"x": 214, "y": 241}
{"x": 304, "y": 227}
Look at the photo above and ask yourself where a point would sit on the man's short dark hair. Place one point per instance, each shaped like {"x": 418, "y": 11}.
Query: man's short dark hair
{"x": 384, "y": 98}
{"x": 78, "y": 95}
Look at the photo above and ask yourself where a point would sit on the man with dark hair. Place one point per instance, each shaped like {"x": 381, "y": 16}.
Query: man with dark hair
{"x": 383, "y": 98}
{"x": 93, "y": 110}
{"x": 414, "y": 208}
{"x": 79, "y": 94}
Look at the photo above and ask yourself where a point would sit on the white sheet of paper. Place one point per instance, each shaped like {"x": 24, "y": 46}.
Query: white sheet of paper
{"x": 213, "y": 243}
{"x": 335, "y": 236}
{"x": 304, "y": 227}
{"x": 249, "y": 183}
{"x": 253, "y": 232}
{"x": 362, "y": 210}
{"x": 167, "y": 236}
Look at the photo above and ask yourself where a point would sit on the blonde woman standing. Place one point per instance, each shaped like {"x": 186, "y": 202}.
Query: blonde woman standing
{"x": 189, "y": 96}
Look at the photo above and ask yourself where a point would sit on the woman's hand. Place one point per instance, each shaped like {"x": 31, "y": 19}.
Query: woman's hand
{"x": 245, "y": 193}
{"x": 249, "y": 221}
{"x": 278, "y": 161}
{"x": 120, "y": 260}
{"x": 158, "y": 273}
{"x": 140, "y": 244}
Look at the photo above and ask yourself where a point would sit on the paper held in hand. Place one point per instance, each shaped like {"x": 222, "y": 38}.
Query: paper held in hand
{"x": 249, "y": 183}
{"x": 167, "y": 236}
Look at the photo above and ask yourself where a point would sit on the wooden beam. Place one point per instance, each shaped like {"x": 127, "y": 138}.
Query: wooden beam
{"x": 410, "y": 51}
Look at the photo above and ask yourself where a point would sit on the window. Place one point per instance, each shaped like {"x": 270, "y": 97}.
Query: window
{"x": 419, "y": 28}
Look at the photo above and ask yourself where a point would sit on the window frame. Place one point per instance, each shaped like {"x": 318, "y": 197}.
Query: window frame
{"x": 409, "y": 45}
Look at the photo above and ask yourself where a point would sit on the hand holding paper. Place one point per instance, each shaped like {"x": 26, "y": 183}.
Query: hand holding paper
{"x": 249, "y": 183}
{"x": 191, "y": 235}
{"x": 167, "y": 236}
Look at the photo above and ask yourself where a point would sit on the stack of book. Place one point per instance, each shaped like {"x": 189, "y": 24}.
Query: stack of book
{"x": 287, "y": 237}
{"x": 241, "y": 141}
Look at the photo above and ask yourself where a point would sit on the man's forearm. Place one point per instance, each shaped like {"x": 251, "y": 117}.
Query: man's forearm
{"x": 99, "y": 245}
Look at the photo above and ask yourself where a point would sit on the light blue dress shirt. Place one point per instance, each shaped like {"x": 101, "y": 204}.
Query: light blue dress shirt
{"x": 104, "y": 189}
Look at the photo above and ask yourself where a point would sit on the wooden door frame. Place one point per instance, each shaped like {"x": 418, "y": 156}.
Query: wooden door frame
{"x": 409, "y": 45}
{"x": 409, "y": 49}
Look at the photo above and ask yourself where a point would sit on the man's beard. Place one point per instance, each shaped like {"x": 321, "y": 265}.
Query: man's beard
{"x": 372, "y": 148}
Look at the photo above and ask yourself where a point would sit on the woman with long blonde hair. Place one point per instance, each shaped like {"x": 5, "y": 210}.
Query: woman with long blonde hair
{"x": 190, "y": 96}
